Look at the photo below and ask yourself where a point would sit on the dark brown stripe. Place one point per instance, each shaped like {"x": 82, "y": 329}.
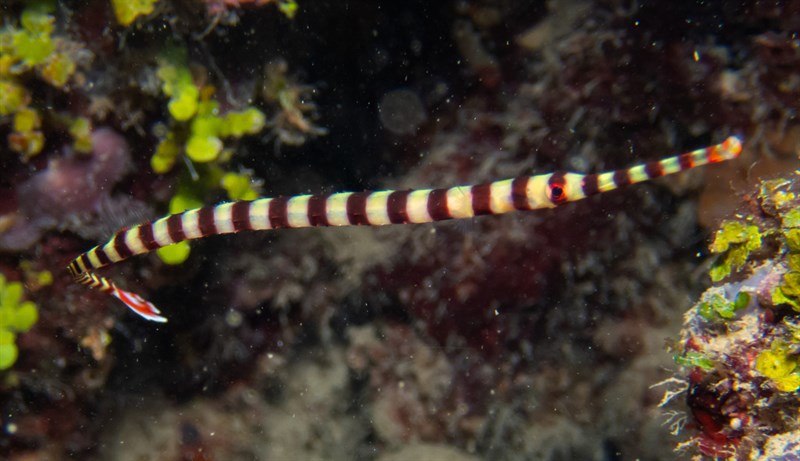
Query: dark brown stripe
{"x": 317, "y": 214}
{"x": 86, "y": 263}
{"x": 278, "y": 217}
{"x": 74, "y": 270}
{"x": 396, "y": 207}
{"x": 147, "y": 237}
{"x": 519, "y": 193}
{"x": 590, "y": 185}
{"x": 685, "y": 161}
{"x": 357, "y": 209}
{"x": 175, "y": 228}
{"x": 621, "y": 178}
{"x": 557, "y": 192}
{"x": 240, "y": 214}
{"x": 120, "y": 246}
{"x": 205, "y": 221}
{"x": 482, "y": 199}
{"x": 102, "y": 256}
{"x": 437, "y": 205}
{"x": 654, "y": 169}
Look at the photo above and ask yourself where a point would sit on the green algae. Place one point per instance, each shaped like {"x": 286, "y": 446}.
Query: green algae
{"x": 16, "y": 316}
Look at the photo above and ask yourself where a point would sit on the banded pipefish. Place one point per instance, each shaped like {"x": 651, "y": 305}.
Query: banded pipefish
{"x": 379, "y": 208}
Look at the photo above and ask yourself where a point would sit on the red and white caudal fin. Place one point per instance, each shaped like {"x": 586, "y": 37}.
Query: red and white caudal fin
{"x": 139, "y": 305}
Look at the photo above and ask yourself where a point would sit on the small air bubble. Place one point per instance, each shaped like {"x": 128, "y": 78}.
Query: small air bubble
{"x": 401, "y": 111}
{"x": 233, "y": 318}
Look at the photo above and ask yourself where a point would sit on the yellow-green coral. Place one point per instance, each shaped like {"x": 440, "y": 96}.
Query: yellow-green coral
{"x": 208, "y": 128}
{"x": 195, "y": 105}
{"x": 788, "y": 291}
{"x": 694, "y": 359}
{"x": 27, "y": 138}
{"x": 780, "y": 366}
{"x": 716, "y": 306}
{"x": 13, "y": 97}
{"x": 16, "y": 316}
{"x": 177, "y": 83}
{"x": 127, "y": 11}
{"x": 203, "y": 148}
{"x": 791, "y": 222}
{"x": 174, "y": 254}
{"x": 33, "y": 43}
{"x": 28, "y": 47}
{"x": 288, "y": 8}
{"x": 58, "y": 69}
{"x": 166, "y": 154}
{"x": 32, "y": 46}
{"x": 81, "y": 131}
{"x": 26, "y": 120}
{"x": 239, "y": 186}
{"x": 237, "y": 124}
{"x": 204, "y": 144}
{"x": 733, "y": 242}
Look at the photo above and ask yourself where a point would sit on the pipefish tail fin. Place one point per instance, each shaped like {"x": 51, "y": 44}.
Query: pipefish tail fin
{"x": 139, "y": 305}
{"x": 136, "y": 303}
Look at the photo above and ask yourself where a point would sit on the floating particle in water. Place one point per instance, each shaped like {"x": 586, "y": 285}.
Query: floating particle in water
{"x": 401, "y": 111}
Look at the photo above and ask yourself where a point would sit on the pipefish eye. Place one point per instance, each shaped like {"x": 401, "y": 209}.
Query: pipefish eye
{"x": 556, "y": 189}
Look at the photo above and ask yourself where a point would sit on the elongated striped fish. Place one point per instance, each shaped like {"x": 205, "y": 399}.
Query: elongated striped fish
{"x": 370, "y": 209}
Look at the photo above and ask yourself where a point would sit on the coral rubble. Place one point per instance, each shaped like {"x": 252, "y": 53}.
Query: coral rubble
{"x": 738, "y": 344}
